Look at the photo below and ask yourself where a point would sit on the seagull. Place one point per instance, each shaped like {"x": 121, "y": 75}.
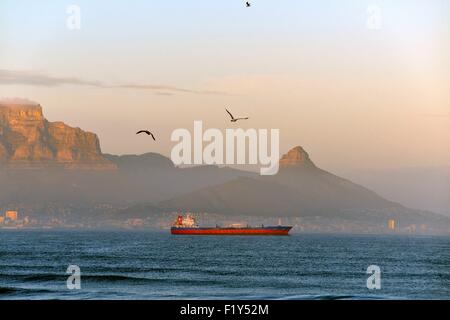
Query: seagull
{"x": 147, "y": 132}
{"x": 233, "y": 119}
{"x": 248, "y": 4}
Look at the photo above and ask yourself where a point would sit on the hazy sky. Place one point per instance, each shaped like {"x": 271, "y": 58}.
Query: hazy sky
{"x": 351, "y": 95}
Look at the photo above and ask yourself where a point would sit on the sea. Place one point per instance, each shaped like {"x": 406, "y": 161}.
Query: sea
{"x": 156, "y": 265}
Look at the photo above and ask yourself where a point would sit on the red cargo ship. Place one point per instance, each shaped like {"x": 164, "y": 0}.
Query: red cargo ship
{"x": 188, "y": 226}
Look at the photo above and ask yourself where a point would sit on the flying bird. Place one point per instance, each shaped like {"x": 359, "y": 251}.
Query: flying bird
{"x": 147, "y": 132}
{"x": 248, "y": 4}
{"x": 233, "y": 119}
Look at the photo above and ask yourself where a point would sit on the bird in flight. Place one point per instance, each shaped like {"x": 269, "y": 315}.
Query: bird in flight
{"x": 233, "y": 119}
{"x": 248, "y": 4}
{"x": 147, "y": 132}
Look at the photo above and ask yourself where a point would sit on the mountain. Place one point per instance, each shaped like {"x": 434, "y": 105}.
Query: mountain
{"x": 28, "y": 140}
{"x": 299, "y": 188}
{"x": 319, "y": 189}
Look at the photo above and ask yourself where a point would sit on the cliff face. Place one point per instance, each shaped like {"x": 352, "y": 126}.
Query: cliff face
{"x": 28, "y": 140}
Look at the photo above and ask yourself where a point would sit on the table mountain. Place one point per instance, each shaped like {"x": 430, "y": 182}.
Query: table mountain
{"x": 28, "y": 140}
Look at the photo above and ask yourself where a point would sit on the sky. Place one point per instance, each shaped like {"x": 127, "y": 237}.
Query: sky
{"x": 359, "y": 84}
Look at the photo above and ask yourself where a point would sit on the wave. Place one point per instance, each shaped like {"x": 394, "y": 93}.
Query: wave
{"x": 8, "y": 291}
{"x": 135, "y": 279}
{"x": 29, "y": 277}
{"x": 107, "y": 278}
{"x": 337, "y": 297}
{"x": 304, "y": 297}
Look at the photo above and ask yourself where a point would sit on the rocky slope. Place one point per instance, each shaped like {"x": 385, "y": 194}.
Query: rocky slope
{"x": 28, "y": 140}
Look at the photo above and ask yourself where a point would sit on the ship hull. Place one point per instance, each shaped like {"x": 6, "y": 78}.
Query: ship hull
{"x": 263, "y": 231}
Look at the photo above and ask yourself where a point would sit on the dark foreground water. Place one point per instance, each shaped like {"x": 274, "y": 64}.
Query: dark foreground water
{"x": 156, "y": 265}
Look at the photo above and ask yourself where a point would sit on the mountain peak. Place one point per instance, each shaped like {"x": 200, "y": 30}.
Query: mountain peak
{"x": 296, "y": 157}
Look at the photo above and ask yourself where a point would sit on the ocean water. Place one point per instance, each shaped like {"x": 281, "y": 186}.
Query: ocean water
{"x": 157, "y": 265}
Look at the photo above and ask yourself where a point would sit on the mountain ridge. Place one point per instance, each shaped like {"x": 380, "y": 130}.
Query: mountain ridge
{"x": 299, "y": 186}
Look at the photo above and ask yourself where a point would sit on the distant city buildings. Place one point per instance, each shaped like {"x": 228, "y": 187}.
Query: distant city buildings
{"x": 392, "y": 225}
{"x": 411, "y": 229}
{"x": 11, "y": 220}
{"x": 11, "y": 215}
{"x": 27, "y": 218}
